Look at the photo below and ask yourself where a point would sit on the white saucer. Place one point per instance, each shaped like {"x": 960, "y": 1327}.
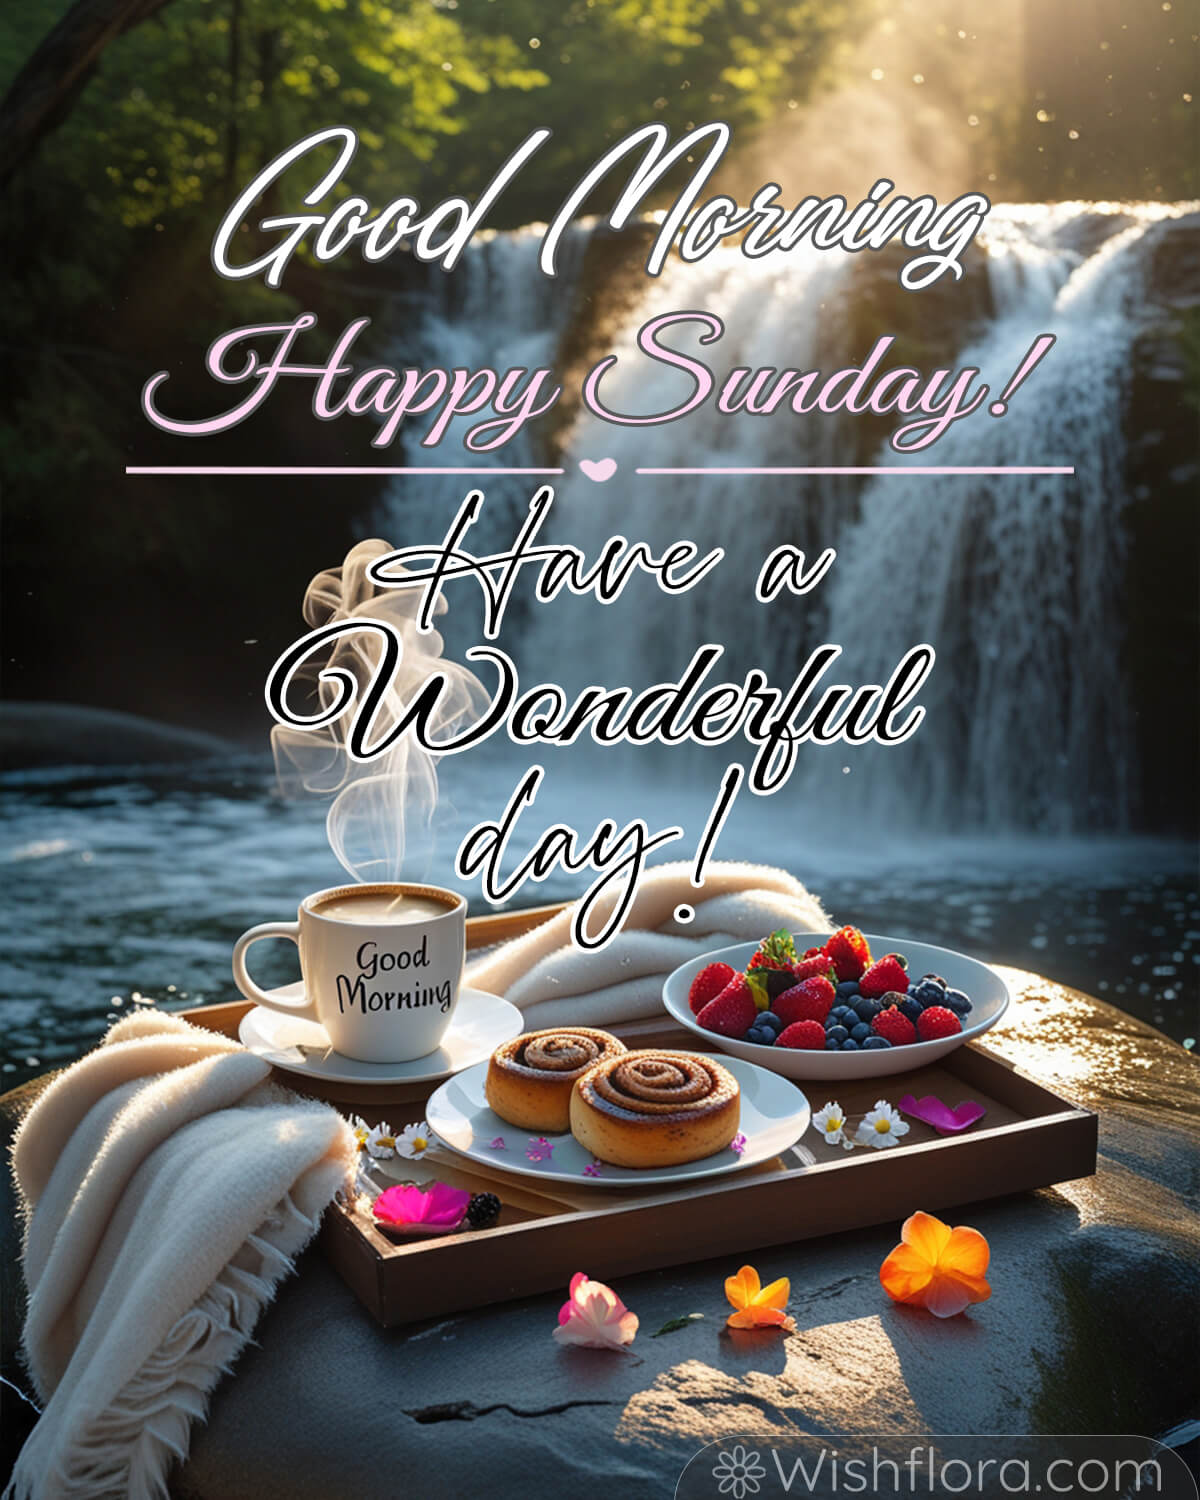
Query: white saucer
{"x": 775, "y": 1115}
{"x": 480, "y": 1023}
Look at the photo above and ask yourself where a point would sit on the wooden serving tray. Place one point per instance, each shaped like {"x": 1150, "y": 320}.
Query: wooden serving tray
{"x": 1029, "y": 1138}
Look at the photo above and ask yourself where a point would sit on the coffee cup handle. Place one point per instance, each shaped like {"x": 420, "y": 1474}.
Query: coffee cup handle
{"x": 302, "y": 1009}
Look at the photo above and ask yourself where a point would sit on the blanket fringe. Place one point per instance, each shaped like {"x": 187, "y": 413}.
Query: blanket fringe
{"x": 127, "y": 1450}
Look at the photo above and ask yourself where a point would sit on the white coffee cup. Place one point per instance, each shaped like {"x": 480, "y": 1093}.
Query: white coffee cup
{"x": 381, "y": 964}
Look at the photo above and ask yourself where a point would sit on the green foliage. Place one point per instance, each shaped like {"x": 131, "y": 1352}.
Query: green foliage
{"x": 107, "y": 247}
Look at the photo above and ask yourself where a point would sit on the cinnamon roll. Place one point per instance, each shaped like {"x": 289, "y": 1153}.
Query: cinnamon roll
{"x": 655, "y": 1109}
{"x": 529, "y": 1079}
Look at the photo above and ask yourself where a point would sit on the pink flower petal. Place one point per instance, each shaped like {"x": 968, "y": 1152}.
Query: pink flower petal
{"x": 945, "y": 1121}
{"x": 594, "y": 1316}
{"x": 406, "y": 1205}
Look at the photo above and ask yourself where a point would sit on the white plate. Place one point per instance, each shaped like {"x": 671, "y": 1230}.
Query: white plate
{"x": 479, "y": 1024}
{"x": 987, "y": 991}
{"x": 774, "y": 1115}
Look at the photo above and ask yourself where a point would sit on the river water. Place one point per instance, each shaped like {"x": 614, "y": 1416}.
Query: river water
{"x": 129, "y": 889}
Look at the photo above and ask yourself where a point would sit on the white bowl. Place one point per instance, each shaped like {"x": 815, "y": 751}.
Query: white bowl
{"x": 987, "y": 991}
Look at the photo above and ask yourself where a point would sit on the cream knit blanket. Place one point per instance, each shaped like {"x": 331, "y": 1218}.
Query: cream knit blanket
{"x": 166, "y": 1187}
{"x": 556, "y": 984}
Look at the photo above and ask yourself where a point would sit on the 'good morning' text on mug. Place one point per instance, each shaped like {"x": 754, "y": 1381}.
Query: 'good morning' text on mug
{"x": 374, "y": 965}
{"x": 382, "y": 966}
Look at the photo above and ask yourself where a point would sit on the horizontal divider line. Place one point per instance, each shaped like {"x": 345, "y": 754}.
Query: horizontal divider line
{"x": 912, "y": 469}
{"x": 281, "y": 471}
{"x": 334, "y": 469}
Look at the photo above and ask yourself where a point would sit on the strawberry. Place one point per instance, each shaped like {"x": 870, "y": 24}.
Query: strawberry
{"x": 774, "y": 952}
{"x": 807, "y": 1034}
{"x": 887, "y": 973}
{"x": 808, "y": 966}
{"x": 848, "y": 952}
{"x": 810, "y": 1000}
{"x": 708, "y": 984}
{"x": 894, "y": 1027}
{"x": 936, "y": 1022}
{"x": 732, "y": 1012}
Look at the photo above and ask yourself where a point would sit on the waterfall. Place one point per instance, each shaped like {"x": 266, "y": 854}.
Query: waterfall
{"x": 1016, "y": 581}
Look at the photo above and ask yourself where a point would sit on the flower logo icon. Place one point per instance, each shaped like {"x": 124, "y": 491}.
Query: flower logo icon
{"x": 738, "y": 1472}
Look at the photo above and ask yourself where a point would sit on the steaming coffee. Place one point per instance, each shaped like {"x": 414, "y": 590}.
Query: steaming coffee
{"x": 381, "y": 966}
{"x": 378, "y": 906}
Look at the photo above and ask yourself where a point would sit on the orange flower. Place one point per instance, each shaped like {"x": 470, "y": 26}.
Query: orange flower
{"x": 936, "y": 1267}
{"x": 758, "y": 1306}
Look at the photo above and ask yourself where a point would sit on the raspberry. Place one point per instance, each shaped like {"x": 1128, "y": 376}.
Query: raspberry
{"x": 733, "y": 1012}
{"x": 708, "y": 984}
{"x": 848, "y": 952}
{"x": 809, "y": 1035}
{"x": 886, "y": 973}
{"x": 893, "y": 1027}
{"x": 807, "y": 967}
{"x": 937, "y": 1021}
{"x": 809, "y": 1001}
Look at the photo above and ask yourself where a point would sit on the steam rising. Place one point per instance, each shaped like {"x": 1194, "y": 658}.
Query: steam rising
{"x": 381, "y": 824}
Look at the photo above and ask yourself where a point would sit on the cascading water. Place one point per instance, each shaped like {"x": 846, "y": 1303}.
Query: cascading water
{"x": 1014, "y": 580}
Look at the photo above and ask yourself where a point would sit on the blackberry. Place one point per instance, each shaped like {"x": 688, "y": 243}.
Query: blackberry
{"x": 927, "y": 993}
{"x": 956, "y": 1001}
{"x": 483, "y": 1210}
{"x": 935, "y": 979}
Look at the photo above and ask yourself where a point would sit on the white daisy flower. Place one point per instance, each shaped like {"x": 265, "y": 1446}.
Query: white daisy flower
{"x": 831, "y": 1122}
{"x": 381, "y": 1143}
{"x": 882, "y": 1126}
{"x": 414, "y": 1140}
{"x": 361, "y": 1131}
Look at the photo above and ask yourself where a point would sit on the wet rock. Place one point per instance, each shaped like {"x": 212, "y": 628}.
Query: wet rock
{"x": 1088, "y": 1330}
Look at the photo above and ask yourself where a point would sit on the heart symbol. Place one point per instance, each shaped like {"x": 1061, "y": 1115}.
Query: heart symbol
{"x": 598, "y": 469}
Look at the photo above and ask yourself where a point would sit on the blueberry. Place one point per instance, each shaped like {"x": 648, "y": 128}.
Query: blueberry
{"x": 836, "y": 1034}
{"x": 847, "y": 987}
{"x": 831, "y": 1045}
{"x": 875, "y": 1044}
{"x": 766, "y": 1038}
{"x": 769, "y": 1019}
{"x": 957, "y": 1002}
{"x": 925, "y": 992}
{"x": 861, "y": 1032}
{"x": 866, "y": 1009}
{"x": 849, "y": 1045}
{"x": 754, "y": 1035}
{"x": 910, "y": 1008}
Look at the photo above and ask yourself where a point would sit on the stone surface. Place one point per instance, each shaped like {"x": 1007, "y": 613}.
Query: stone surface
{"x": 1091, "y": 1328}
